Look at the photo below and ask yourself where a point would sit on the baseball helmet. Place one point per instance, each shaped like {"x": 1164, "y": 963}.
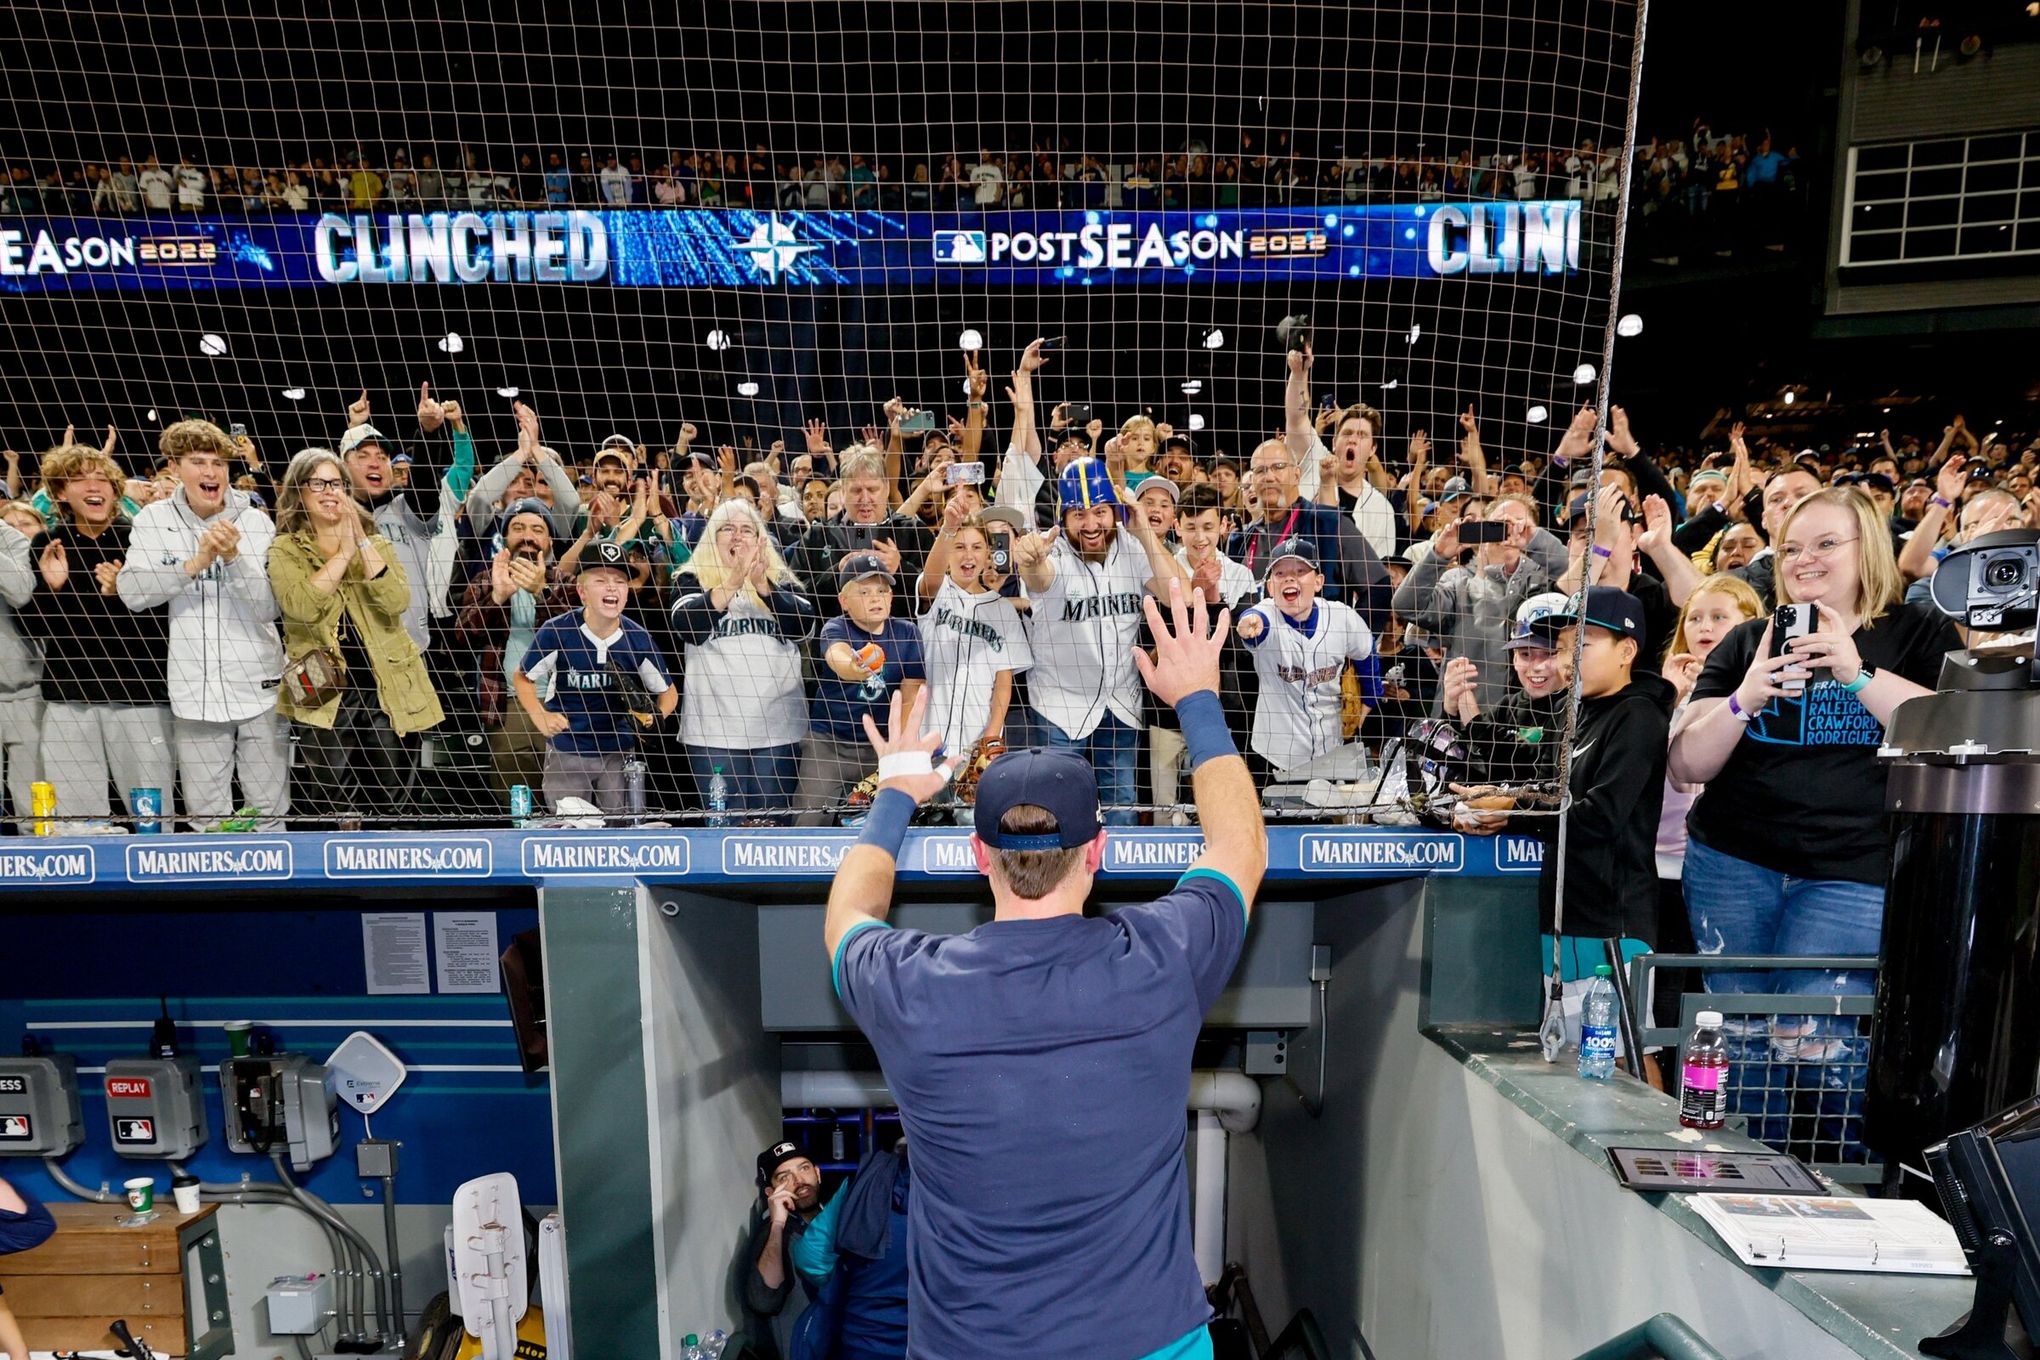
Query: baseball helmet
{"x": 1084, "y": 483}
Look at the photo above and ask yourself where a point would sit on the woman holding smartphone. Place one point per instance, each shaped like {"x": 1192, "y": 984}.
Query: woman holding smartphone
{"x": 1786, "y": 852}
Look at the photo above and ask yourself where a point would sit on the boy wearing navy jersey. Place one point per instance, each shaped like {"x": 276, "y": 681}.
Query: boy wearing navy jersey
{"x": 1301, "y": 645}
{"x": 596, "y": 659}
{"x": 866, "y": 655}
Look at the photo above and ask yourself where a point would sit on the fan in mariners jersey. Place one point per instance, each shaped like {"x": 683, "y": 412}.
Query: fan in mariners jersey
{"x": 972, "y": 641}
{"x": 1301, "y": 645}
{"x": 591, "y": 729}
{"x": 1087, "y": 579}
{"x": 741, "y": 630}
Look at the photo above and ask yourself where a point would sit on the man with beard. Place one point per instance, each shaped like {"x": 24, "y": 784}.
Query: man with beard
{"x": 790, "y": 1187}
{"x": 422, "y": 534}
{"x": 499, "y": 618}
{"x": 519, "y": 476}
{"x": 1352, "y": 461}
{"x": 1087, "y": 578}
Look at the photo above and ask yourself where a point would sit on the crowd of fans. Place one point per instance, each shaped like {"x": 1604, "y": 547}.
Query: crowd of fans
{"x": 1699, "y": 176}
{"x": 261, "y": 641}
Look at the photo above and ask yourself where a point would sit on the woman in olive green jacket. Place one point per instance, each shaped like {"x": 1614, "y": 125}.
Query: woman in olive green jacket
{"x": 342, "y": 590}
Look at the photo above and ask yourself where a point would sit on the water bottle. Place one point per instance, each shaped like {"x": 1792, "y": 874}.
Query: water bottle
{"x": 718, "y": 799}
{"x": 692, "y": 1347}
{"x": 1597, "y": 1027}
{"x": 1703, "y": 1075}
{"x": 712, "y": 1345}
{"x": 634, "y": 784}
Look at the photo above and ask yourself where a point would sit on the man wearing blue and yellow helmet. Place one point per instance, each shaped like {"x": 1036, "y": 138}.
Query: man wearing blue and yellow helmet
{"x": 1087, "y": 578}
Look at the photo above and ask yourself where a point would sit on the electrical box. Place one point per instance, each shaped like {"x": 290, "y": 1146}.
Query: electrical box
{"x": 1267, "y": 1053}
{"x": 299, "y": 1305}
{"x": 282, "y": 1101}
{"x": 39, "y": 1114}
{"x": 155, "y": 1107}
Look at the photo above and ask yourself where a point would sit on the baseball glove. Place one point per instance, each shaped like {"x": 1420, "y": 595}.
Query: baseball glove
{"x": 972, "y": 769}
{"x": 637, "y": 701}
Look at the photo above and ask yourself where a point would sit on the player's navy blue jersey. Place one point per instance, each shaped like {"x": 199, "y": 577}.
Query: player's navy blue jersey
{"x": 1041, "y": 1069}
{"x": 584, "y": 688}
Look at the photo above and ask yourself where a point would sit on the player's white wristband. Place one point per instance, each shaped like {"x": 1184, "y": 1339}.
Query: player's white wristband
{"x": 903, "y": 763}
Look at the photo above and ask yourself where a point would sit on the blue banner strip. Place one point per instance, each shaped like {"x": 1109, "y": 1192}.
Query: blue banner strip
{"x": 313, "y": 859}
{"x": 738, "y": 248}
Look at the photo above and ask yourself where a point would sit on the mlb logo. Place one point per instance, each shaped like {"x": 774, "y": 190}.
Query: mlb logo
{"x": 14, "y": 1127}
{"x": 959, "y": 247}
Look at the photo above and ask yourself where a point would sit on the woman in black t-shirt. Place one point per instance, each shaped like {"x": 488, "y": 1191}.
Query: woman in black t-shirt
{"x": 1787, "y": 850}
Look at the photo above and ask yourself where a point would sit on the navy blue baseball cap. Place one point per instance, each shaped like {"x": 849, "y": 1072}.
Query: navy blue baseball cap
{"x": 1060, "y": 782}
{"x": 1302, "y": 549}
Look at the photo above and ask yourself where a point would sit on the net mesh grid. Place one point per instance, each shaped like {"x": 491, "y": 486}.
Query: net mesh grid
{"x": 1138, "y": 113}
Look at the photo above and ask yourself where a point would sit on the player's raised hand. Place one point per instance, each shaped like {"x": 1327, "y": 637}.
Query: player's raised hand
{"x": 906, "y": 753}
{"x": 1187, "y": 645}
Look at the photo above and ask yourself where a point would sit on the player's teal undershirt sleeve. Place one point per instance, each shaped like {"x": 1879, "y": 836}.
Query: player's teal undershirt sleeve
{"x": 1201, "y": 872}
{"x": 836, "y": 963}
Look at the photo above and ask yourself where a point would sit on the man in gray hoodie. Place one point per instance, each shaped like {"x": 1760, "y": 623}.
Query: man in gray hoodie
{"x": 517, "y": 477}
{"x": 204, "y": 551}
{"x": 1471, "y": 608}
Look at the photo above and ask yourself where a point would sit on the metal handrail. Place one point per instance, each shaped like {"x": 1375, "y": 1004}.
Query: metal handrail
{"x": 1664, "y": 1337}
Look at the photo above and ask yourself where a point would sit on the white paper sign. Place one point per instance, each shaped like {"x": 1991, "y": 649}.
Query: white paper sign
{"x": 466, "y": 955}
{"x": 393, "y": 953}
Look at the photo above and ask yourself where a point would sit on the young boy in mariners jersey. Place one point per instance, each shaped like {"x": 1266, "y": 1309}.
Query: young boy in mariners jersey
{"x": 1301, "y": 645}
{"x": 587, "y": 720}
{"x": 866, "y": 654}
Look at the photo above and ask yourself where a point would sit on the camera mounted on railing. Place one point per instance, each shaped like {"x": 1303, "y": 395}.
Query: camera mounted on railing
{"x": 1992, "y": 585}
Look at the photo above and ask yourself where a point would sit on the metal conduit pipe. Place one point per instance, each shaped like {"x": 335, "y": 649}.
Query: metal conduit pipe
{"x": 71, "y": 1186}
{"x": 1233, "y": 1096}
{"x": 325, "y": 1211}
{"x": 349, "y": 1270}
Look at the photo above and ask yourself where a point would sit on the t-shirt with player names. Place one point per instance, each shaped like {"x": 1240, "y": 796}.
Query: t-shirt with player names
{"x": 1083, "y": 628}
{"x": 1300, "y": 713}
{"x": 583, "y": 685}
{"x": 1803, "y": 792}
{"x": 1041, "y": 1069}
{"x": 967, "y": 638}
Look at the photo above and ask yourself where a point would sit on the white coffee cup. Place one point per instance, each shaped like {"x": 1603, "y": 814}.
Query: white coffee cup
{"x": 185, "y": 1191}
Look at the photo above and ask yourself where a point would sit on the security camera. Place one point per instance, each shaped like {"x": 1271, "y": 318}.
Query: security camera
{"x": 1992, "y": 582}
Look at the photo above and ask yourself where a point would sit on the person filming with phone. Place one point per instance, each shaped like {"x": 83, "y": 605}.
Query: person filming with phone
{"x": 1786, "y": 851}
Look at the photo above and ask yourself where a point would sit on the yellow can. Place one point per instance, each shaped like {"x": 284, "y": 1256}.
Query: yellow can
{"x": 42, "y": 805}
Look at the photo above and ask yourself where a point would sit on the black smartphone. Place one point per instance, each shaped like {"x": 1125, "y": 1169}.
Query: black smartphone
{"x": 1078, "y": 414}
{"x": 1484, "y": 531}
{"x": 1791, "y": 621}
{"x": 1050, "y": 344}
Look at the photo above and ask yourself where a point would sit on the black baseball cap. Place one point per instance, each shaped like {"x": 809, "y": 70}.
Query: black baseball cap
{"x": 606, "y": 553}
{"x": 1061, "y": 782}
{"x": 530, "y": 505}
{"x": 1615, "y": 610}
{"x": 862, "y": 566}
{"x": 774, "y": 1157}
{"x": 1454, "y": 488}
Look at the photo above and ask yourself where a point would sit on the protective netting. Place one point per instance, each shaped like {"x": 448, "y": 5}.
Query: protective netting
{"x": 717, "y": 298}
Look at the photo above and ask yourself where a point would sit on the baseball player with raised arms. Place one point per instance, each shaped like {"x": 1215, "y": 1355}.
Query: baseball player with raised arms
{"x": 1087, "y": 578}
{"x": 1301, "y": 645}
{"x": 1042, "y": 1061}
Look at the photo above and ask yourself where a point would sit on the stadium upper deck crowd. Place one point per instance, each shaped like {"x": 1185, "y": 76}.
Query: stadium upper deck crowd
{"x": 1691, "y": 187}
